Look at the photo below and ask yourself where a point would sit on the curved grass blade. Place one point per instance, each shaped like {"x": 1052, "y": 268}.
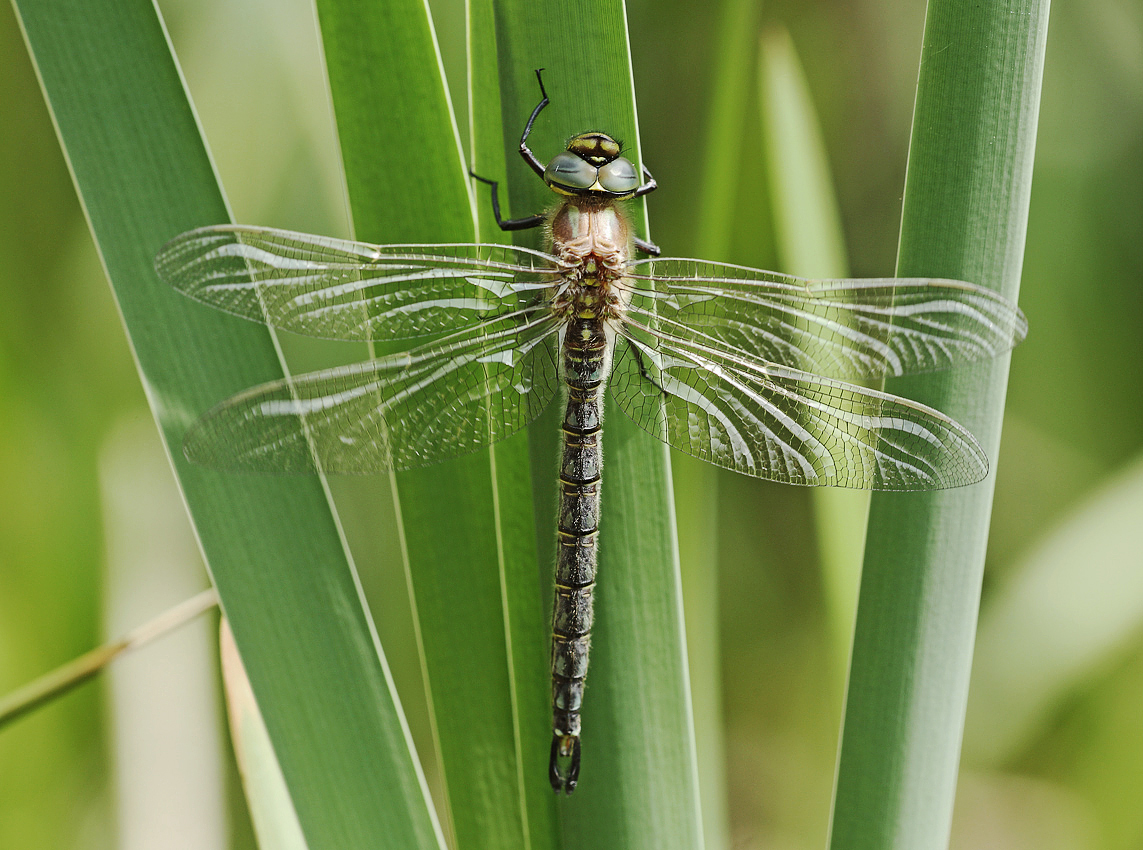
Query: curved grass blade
{"x": 60, "y": 681}
{"x": 273, "y": 546}
{"x": 1031, "y": 660}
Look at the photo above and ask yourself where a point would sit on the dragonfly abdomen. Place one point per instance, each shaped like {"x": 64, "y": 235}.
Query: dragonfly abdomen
{"x": 581, "y": 466}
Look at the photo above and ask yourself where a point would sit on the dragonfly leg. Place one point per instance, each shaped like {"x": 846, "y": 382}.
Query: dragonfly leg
{"x": 511, "y": 223}
{"x": 648, "y": 187}
{"x": 564, "y": 746}
{"x": 526, "y": 151}
{"x": 643, "y": 367}
{"x": 648, "y": 247}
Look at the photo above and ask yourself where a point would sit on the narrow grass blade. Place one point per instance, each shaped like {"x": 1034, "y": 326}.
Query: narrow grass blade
{"x": 525, "y": 576}
{"x": 725, "y": 128}
{"x": 965, "y": 213}
{"x": 77, "y": 671}
{"x": 807, "y": 223}
{"x": 695, "y": 482}
{"x": 467, "y": 524}
{"x": 267, "y": 798}
{"x": 638, "y": 787}
{"x": 810, "y": 242}
{"x": 272, "y": 544}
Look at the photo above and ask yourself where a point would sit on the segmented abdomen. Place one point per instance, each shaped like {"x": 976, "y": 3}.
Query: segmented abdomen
{"x": 584, "y": 368}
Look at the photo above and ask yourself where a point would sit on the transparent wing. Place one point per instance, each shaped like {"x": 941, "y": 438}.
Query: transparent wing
{"x": 336, "y": 289}
{"x": 442, "y": 400}
{"x": 843, "y": 328}
{"x": 784, "y": 424}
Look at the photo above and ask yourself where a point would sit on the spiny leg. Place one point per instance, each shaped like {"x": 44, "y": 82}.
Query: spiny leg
{"x": 646, "y": 247}
{"x": 533, "y": 162}
{"x": 634, "y": 349}
{"x": 511, "y": 223}
{"x": 526, "y": 151}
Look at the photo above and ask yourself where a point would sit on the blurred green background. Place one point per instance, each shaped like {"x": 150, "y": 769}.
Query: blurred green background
{"x": 92, "y": 539}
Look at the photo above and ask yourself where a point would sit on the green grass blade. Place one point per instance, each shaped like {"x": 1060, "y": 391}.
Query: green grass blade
{"x": 810, "y": 242}
{"x": 807, "y": 223}
{"x": 272, "y": 544}
{"x": 525, "y": 576}
{"x": 696, "y": 482}
{"x": 392, "y": 112}
{"x": 467, "y": 524}
{"x": 638, "y": 788}
{"x": 965, "y": 213}
{"x": 725, "y": 129}
{"x": 267, "y": 798}
{"x": 60, "y": 681}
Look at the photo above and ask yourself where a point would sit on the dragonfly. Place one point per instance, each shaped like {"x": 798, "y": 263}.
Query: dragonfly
{"x": 750, "y": 370}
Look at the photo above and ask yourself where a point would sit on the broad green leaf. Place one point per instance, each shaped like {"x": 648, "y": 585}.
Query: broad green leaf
{"x": 273, "y": 545}
{"x": 965, "y": 213}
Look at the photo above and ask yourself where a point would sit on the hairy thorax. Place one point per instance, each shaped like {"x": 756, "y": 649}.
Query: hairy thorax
{"x": 593, "y": 241}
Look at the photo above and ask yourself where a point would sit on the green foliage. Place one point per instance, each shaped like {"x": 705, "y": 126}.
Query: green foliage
{"x": 1065, "y": 776}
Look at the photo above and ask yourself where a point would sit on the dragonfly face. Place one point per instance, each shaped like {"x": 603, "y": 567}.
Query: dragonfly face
{"x": 592, "y": 166}
{"x": 744, "y": 368}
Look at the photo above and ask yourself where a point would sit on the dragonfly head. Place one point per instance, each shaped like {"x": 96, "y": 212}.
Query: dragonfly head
{"x": 592, "y": 167}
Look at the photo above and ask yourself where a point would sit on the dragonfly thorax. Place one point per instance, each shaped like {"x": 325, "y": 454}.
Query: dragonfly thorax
{"x": 593, "y": 241}
{"x": 589, "y": 234}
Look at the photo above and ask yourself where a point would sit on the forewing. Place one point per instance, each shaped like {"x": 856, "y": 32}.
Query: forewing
{"x": 842, "y": 328}
{"x": 336, "y": 289}
{"x": 784, "y": 424}
{"x": 439, "y": 401}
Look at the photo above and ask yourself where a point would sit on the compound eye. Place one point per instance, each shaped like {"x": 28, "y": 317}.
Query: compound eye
{"x": 594, "y": 147}
{"x": 570, "y": 172}
{"x": 619, "y": 176}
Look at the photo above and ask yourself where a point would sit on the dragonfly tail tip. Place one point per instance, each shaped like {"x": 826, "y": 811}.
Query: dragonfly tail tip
{"x": 564, "y": 746}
